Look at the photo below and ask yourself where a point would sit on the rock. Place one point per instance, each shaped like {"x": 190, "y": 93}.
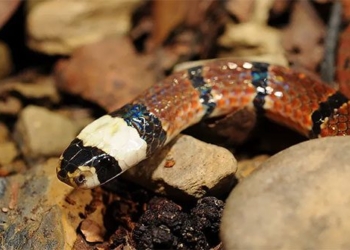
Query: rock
{"x": 8, "y": 152}
{"x": 187, "y": 168}
{"x": 298, "y": 199}
{"x": 48, "y": 134}
{"x": 241, "y": 9}
{"x": 82, "y": 22}
{"x": 81, "y": 117}
{"x": 267, "y": 45}
{"x": 109, "y": 73}
{"x": 31, "y": 85}
{"x": 302, "y": 46}
{"x": 15, "y": 166}
{"x": 247, "y": 166}
{"x": 40, "y": 212}
{"x": 4, "y": 133}
{"x": 7, "y": 8}
{"x": 91, "y": 231}
{"x": 27, "y": 86}
{"x": 10, "y": 106}
{"x": 5, "y": 56}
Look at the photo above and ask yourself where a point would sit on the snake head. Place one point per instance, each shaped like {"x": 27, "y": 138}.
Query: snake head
{"x": 85, "y": 166}
{"x": 102, "y": 151}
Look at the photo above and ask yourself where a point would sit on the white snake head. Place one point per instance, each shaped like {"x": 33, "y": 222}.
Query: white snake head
{"x": 102, "y": 151}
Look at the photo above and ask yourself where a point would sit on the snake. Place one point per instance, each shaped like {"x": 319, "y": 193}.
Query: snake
{"x": 119, "y": 140}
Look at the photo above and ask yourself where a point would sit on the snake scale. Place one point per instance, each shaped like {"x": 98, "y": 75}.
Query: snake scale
{"x": 119, "y": 140}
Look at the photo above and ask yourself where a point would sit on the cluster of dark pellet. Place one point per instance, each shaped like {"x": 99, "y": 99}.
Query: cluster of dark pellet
{"x": 164, "y": 225}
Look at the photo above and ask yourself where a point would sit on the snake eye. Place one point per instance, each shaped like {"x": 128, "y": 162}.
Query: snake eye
{"x": 80, "y": 179}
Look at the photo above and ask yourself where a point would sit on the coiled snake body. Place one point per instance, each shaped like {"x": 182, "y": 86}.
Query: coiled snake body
{"x": 119, "y": 140}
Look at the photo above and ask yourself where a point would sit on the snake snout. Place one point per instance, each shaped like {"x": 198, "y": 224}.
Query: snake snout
{"x": 62, "y": 175}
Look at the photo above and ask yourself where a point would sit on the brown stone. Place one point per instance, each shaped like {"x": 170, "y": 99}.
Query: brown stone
{"x": 40, "y": 132}
{"x": 109, "y": 73}
{"x": 187, "y": 168}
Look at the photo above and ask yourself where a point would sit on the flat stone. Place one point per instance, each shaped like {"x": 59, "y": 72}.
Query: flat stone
{"x": 39, "y": 211}
{"x": 40, "y": 132}
{"x": 297, "y": 199}
{"x": 10, "y": 106}
{"x": 27, "y": 86}
{"x": 187, "y": 168}
{"x": 82, "y": 22}
{"x": 31, "y": 85}
{"x": 23, "y": 197}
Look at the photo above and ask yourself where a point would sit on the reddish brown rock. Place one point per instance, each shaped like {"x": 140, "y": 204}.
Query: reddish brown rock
{"x": 109, "y": 73}
{"x": 7, "y": 8}
{"x": 279, "y": 7}
{"x": 343, "y": 69}
{"x": 346, "y": 9}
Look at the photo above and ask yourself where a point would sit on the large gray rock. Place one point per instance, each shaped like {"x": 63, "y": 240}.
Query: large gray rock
{"x": 187, "y": 168}
{"x": 297, "y": 199}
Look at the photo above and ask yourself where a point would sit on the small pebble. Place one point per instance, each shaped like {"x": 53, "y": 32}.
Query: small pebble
{"x": 46, "y": 135}
{"x": 91, "y": 231}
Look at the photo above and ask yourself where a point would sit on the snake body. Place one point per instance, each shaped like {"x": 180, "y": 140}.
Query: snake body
{"x": 119, "y": 140}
